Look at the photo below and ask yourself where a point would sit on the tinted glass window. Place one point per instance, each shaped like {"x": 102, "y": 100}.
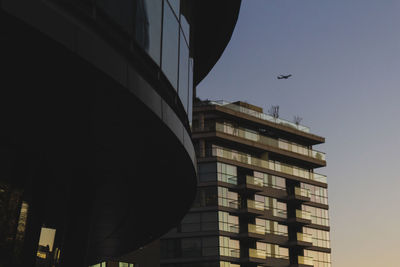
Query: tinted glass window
{"x": 175, "y": 5}
{"x": 148, "y": 26}
{"x": 169, "y": 62}
{"x": 183, "y": 72}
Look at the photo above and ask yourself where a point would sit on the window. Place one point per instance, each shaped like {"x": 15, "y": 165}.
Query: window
{"x": 318, "y": 216}
{"x": 200, "y": 221}
{"x": 229, "y": 247}
{"x": 272, "y": 250}
{"x": 320, "y": 238}
{"x": 320, "y": 259}
{"x": 227, "y": 198}
{"x": 207, "y": 172}
{"x": 191, "y": 247}
{"x": 318, "y": 194}
{"x": 183, "y": 90}
{"x": 227, "y": 222}
{"x": 148, "y": 27}
{"x": 206, "y": 197}
{"x": 271, "y": 180}
{"x": 227, "y": 173}
{"x": 169, "y": 63}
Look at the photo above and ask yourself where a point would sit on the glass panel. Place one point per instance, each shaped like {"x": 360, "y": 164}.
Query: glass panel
{"x": 190, "y": 115}
{"x": 148, "y": 27}
{"x": 175, "y": 5}
{"x": 185, "y": 28}
{"x": 170, "y": 46}
{"x": 183, "y": 72}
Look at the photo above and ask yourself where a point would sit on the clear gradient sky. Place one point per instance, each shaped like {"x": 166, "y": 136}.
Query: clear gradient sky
{"x": 345, "y": 59}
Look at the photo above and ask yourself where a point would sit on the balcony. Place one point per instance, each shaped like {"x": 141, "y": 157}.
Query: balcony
{"x": 302, "y": 192}
{"x": 228, "y": 227}
{"x": 264, "y": 140}
{"x": 267, "y": 164}
{"x": 261, "y": 230}
{"x": 260, "y": 115}
{"x": 304, "y": 215}
{"x": 305, "y": 260}
{"x": 302, "y": 237}
{"x": 255, "y": 181}
{"x": 258, "y": 254}
{"x": 229, "y": 203}
{"x": 252, "y": 204}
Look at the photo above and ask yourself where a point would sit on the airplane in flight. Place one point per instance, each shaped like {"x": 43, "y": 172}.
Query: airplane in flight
{"x": 284, "y": 76}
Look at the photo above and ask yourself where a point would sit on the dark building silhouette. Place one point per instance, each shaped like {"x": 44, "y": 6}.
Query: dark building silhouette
{"x": 259, "y": 201}
{"x": 96, "y": 102}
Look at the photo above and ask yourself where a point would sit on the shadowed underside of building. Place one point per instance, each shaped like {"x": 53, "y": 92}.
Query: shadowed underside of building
{"x": 96, "y": 102}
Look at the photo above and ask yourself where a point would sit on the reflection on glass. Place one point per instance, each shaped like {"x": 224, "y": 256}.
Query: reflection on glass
{"x": 169, "y": 62}
{"x": 148, "y": 27}
{"x": 175, "y": 5}
{"x": 185, "y": 28}
{"x": 190, "y": 89}
{"x": 183, "y": 71}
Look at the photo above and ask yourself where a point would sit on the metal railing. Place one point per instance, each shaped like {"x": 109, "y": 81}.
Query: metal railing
{"x": 267, "y": 164}
{"x": 279, "y": 143}
{"x": 259, "y": 115}
{"x": 305, "y": 260}
{"x": 261, "y": 230}
{"x": 304, "y": 237}
{"x": 262, "y": 254}
{"x": 252, "y": 204}
{"x": 302, "y": 214}
{"x": 302, "y": 192}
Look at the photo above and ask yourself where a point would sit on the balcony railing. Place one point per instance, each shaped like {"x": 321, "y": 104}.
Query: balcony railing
{"x": 262, "y": 254}
{"x": 227, "y": 202}
{"x": 302, "y": 214}
{"x": 282, "y": 144}
{"x": 260, "y": 115}
{"x": 304, "y": 237}
{"x": 261, "y": 230}
{"x": 305, "y": 260}
{"x": 267, "y": 164}
{"x": 259, "y": 254}
{"x": 250, "y": 180}
{"x": 302, "y": 192}
{"x": 230, "y": 252}
{"x": 228, "y": 227}
{"x": 252, "y": 204}
{"x": 279, "y": 213}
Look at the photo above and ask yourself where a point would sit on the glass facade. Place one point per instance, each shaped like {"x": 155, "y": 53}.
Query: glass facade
{"x": 227, "y": 222}
{"x": 229, "y": 247}
{"x": 320, "y": 259}
{"x": 227, "y": 198}
{"x": 271, "y": 180}
{"x": 217, "y": 171}
{"x": 161, "y": 29}
{"x": 317, "y": 194}
{"x": 278, "y": 208}
{"x": 271, "y": 227}
{"x": 320, "y": 238}
{"x": 272, "y": 250}
{"x": 318, "y": 216}
{"x": 206, "y": 197}
{"x": 201, "y": 221}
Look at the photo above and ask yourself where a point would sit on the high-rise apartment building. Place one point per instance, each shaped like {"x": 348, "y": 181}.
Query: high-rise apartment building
{"x": 96, "y": 96}
{"x": 259, "y": 201}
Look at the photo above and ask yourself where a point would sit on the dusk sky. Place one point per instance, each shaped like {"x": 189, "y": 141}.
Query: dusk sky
{"x": 345, "y": 59}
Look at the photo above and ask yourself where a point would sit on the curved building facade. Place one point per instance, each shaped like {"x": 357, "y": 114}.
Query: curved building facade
{"x": 96, "y": 152}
